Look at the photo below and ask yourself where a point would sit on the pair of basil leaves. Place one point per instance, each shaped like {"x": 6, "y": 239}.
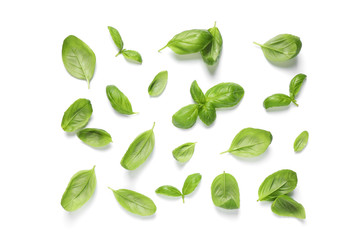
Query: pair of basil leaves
{"x": 222, "y": 95}
{"x": 275, "y": 188}
{"x": 281, "y": 100}
{"x": 207, "y": 42}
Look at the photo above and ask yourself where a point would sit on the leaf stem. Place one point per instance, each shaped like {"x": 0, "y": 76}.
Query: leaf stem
{"x": 225, "y": 152}
{"x": 88, "y": 83}
{"x": 258, "y": 44}
{"x": 153, "y": 126}
{"x": 215, "y": 24}
{"x": 294, "y": 101}
{"x": 118, "y": 53}
{"x": 183, "y": 198}
{"x": 162, "y": 48}
{"x": 111, "y": 189}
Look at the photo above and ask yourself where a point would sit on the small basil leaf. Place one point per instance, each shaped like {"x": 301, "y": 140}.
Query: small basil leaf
{"x": 225, "y": 95}
{"x": 225, "y": 192}
{"x": 207, "y": 113}
{"x": 77, "y": 115}
{"x": 139, "y": 150}
{"x": 135, "y": 202}
{"x": 250, "y": 142}
{"x": 94, "y": 137}
{"x": 288, "y": 207}
{"x": 168, "y": 190}
{"x": 115, "y": 35}
{"x": 184, "y": 152}
{"x": 190, "y": 41}
{"x": 277, "y": 100}
{"x": 79, "y": 190}
{"x": 279, "y": 183}
{"x": 196, "y": 93}
{"x": 296, "y": 84}
{"x": 118, "y": 100}
{"x": 157, "y": 86}
{"x": 186, "y": 116}
{"x": 132, "y": 55}
{"x": 191, "y": 182}
{"x": 281, "y": 48}
{"x": 301, "y": 141}
{"x": 211, "y": 52}
{"x": 78, "y": 58}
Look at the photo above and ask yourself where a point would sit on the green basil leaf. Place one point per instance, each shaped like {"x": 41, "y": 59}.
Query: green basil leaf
{"x": 277, "y": 100}
{"x": 281, "y": 48}
{"x": 186, "y": 116}
{"x": 77, "y": 115}
{"x": 94, "y": 137}
{"x": 191, "y": 182}
{"x": 296, "y": 84}
{"x": 211, "y": 52}
{"x": 168, "y": 190}
{"x": 288, "y": 207}
{"x": 139, "y": 150}
{"x": 207, "y": 113}
{"x": 301, "y": 141}
{"x": 225, "y": 95}
{"x": 132, "y": 55}
{"x": 279, "y": 183}
{"x": 184, "y": 152}
{"x": 196, "y": 93}
{"x": 135, "y": 202}
{"x": 225, "y": 192}
{"x": 250, "y": 142}
{"x": 118, "y": 100}
{"x": 78, "y": 58}
{"x": 115, "y": 35}
{"x": 157, "y": 86}
{"x": 79, "y": 190}
{"x": 190, "y": 41}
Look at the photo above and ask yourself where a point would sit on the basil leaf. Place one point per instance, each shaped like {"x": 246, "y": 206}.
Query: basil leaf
{"x": 186, "y": 116}
{"x": 157, "y": 86}
{"x": 225, "y": 95}
{"x": 211, "y": 52}
{"x": 191, "y": 182}
{"x": 139, "y": 150}
{"x": 184, "y": 152}
{"x": 115, "y": 35}
{"x": 225, "y": 192}
{"x": 132, "y": 55}
{"x": 79, "y": 190}
{"x": 288, "y": 207}
{"x": 77, "y": 115}
{"x": 78, "y": 58}
{"x": 250, "y": 142}
{"x": 135, "y": 202}
{"x": 168, "y": 190}
{"x": 281, "y": 48}
{"x": 277, "y": 100}
{"x": 94, "y": 137}
{"x": 118, "y": 100}
{"x": 296, "y": 84}
{"x": 207, "y": 113}
{"x": 279, "y": 183}
{"x": 196, "y": 93}
{"x": 190, "y": 41}
{"x": 301, "y": 141}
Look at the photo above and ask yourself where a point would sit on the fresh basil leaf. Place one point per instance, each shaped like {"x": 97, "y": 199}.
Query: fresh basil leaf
{"x": 77, "y": 115}
{"x": 196, "y": 93}
{"x": 191, "y": 182}
{"x": 157, "y": 86}
{"x": 118, "y": 100}
{"x": 115, "y": 35}
{"x": 132, "y": 55}
{"x": 79, "y": 190}
{"x": 211, "y": 52}
{"x": 225, "y": 192}
{"x": 94, "y": 137}
{"x": 224, "y": 95}
{"x": 190, "y": 41}
{"x": 277, "y": 100}
{"x": 296, "y": 84}
{"x": 207, "y": 113}
{"x": 301, "y": 141}
{"x": 139, "y": 150}
{"x": 168, "y": 190}
{"x": 135, "y": 202}
{"x": 281, "y": 48}
{"x": 78, "y": 58}
{"x": 279, "y": 183}
{"x": 186, "y": 116}
{"x": 250, "y": 142}
{"x": 288, "y": 207}
{"x": 184, "y": 152}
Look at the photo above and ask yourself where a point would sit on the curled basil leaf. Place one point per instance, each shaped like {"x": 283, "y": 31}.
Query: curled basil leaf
{"x": 207, "y": 113}
{"x": 211, "y": 52}
{"x": 118, "y": 100}
{"x": 78, "y": 58}
{"x": 277, "y": 100}
{"x": 301, "y": 141}
{"x": 157, "y": 86}
{"x": 77, "y": 115}
{"x": 196, "y": 93}
{"x": 296, "y": 84}
{"x": 132, "y": 55}
{"x": 225, "y": 192}
{"x": 169, "y": 191}
{"x": 115, "y": 35}
{"x": 288, "y": 207}
{"x": 79, "y": 190}
{"x": 225, "y": 95}
{"x": 184, "y": 152}
{"x": 186, "y": 116}
{"x": 94, "y": 137}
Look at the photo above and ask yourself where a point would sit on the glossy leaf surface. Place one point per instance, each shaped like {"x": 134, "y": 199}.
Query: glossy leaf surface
{"x": 288, "y": 207}
{"x": 186, "y": 117}
{"x": 132, "y": 55}
{"x": 158, "y": 85}
{"x": 277, "y": 100}
{"x": 211, "y": 53}
{"x": 207, "y": 113}
{"x": 118, "y": 100}
{"x": 295, "y": 84}
{"x": 191, "y": 182}
{"x": 301, "y": 141}
{"x": 77, "y": 115}
{"x": 169, "y": 191}
{"x": 94, "y": 137}
{"x": 115, "y": 35}
{"x": 224, "y": 95}
{"x": 184, "y": 152}
{"x": 196, "y": 93}
{"x": 225, "y": 192}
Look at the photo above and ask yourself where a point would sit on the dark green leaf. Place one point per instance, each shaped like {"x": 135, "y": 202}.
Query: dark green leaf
{"x": 115, "y": 35}
{"x": 288, "y": 207}
{"x": 118, "y": 100}
{"x": 196, "y": 93}
{"x": 207, "y": 113}
{"x": 301, "y": 141}
{"x": 94, "y": 137}
{"x": 225, "y": 192}
{"x": 168, "y": 190}
{"x": 132, "y": 55}
{"x": 191, "y": 182}
{"x": 157, "y": 86}
{"x": 277, "y": 100}
{"x": 224, "y": 95}
{"x": 184, "y": 152}
{"x": 186, "y": 116}
{"x": 211, "y": 52}
{"x": 296, "y": 84}
{"x": 77, "y": 115}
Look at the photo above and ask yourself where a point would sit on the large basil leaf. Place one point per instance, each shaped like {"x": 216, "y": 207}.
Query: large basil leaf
{"x": 132, "y": 55}
{"x": 301, "y": 141}
{"x": 279, "y": 183}
{"x": 296, "y": 84}
{"x": 250, "y": 142}
{"x": 190, "y": 41}
{"x": 77, "y": 115}
{"x": 157, "y": 86}
{"x": 277, "y": 100}
{"x": 186, "y": 116}
{"x": 288, "y": 207}
{"x": 79, "y": 190}
{"x": 281, "y": 48}
{"x": 118, "y": 100}
{"x": 115, "y": 35}
{"x": 196, "y": 93}
{"x": 207, "y": 113}
{"x": 169, "y": 191}
{"x": 184, "y": 152}
{"x": 211, "y": 52}
{"x": 94, "y": 137}
{"x": 135, "y": 202}
{"x": 139, "y": 150}
{"x": 224, "y": 95}
{"x": 225, "y": 192}
{"x": 191, "y": 182}
{"x": 78, "y": 58}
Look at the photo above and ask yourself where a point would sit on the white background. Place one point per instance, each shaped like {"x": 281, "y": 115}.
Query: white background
{"x": 38, "y": 158}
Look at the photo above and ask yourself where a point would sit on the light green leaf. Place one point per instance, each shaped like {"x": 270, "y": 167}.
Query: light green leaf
{"x": 157, "y": 86}
{"x": 196, "y": 93}
{"x": 186, "y": 117}
{"x": 115, "y": 35}
{"x": 296, "y": 84}
{"x": 94, "y": 137}
{"x": 288, "y": 207}
{"x": 301, "y": 141}
{"x": 118, "y": 100}
{"x": 207, "y": 113}
{"x": 77, "y": 115}
{"x": 132, "y": 55}
{"x": 225, "y": 95}
{"x": 168, "y": 190}
{"x": 190, "y": 184}
{"x": 184, "y": 152}
{"x": 211, "y": 52}
{"x": 277, "y": 100}
{"x": 225, "y": 192}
